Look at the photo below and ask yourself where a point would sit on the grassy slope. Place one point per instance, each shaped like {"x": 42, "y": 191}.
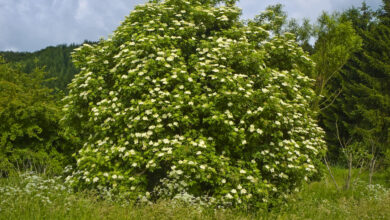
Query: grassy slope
{"x": 31, "y": 197}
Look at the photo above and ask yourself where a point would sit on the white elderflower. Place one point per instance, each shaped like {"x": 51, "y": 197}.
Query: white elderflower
{"x": 229, "y": 196}
{"x": 224, "y": 18}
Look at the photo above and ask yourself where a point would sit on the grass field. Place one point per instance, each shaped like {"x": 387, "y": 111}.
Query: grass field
{"x": 29, "y": 196}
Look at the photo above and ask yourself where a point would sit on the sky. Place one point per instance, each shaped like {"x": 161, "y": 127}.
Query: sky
{"x": 31, "y": 25}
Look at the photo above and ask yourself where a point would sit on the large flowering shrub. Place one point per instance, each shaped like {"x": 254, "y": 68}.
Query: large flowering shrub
{"x": 185, "y": 101}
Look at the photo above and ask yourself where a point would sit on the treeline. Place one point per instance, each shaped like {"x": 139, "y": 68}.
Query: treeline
{"x": 356, "y": 109}
{"x": 55, "y": 60}
{"x": 357, "y": 120}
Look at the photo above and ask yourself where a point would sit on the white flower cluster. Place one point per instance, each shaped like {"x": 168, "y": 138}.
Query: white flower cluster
{"x": 32, "y": 186}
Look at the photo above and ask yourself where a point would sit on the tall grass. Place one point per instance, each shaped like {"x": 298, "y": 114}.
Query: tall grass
{"x": 30, "y": 196}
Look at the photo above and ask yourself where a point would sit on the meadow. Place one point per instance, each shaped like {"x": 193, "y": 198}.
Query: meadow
{"x": 32, "y": 196}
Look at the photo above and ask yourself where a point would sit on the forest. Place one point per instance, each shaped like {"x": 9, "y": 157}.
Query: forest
{"x": 189, "y": 112}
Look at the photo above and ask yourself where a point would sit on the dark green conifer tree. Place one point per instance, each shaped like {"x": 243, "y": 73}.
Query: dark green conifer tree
{"x": 361, "y": 114}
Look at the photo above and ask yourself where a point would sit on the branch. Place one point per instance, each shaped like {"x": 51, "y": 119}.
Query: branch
{"x": 338, "y": 135}
{"x": 331, "y": 174}
{"x": 335, "y": 97}
{"x": 334, "y": 72}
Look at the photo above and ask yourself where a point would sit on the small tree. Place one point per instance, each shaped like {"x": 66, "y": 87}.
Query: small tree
{"x": 185, "y": 101}
{"x": 336, "y": 42}
{"x": 30, "y": 136}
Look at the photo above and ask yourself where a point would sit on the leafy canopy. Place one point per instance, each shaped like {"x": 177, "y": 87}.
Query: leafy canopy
{"x": 185, "y": 101}
{"x": 30, "y": 136}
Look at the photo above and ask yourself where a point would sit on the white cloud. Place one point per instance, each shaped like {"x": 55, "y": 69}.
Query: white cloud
{"x": 302, "y": 8}
{"x": 34, "y": 24}
{"x": 82, "y": 11}
{"x": 28, "y": 25}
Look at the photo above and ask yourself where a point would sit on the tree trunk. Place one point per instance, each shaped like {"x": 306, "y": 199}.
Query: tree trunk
{"x": 348, "y": 180}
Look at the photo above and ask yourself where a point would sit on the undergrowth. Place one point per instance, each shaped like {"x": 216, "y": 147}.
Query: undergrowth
{"x": 32, "y": 196}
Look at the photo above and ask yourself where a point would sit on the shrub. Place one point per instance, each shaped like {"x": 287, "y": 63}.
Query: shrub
{"x": 185, "y": 101}
{"x": 30, "y": 134}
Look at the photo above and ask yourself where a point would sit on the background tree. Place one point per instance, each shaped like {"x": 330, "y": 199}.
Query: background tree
{"x": 273, "y": 19}
{"x": 304, "y": 33}
{"x": 30, "y": 136}
{"x": 362, "y": 109}
{"x": 56, "y": 61}
{"x": 336, "y": 42}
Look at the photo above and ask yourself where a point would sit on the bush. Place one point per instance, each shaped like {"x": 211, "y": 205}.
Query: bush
{"x": 187, "y": 102}
{"x": 30, "y": 135}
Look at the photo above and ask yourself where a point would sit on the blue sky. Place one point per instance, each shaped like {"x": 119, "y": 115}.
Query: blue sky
{"x": 30, "y": 25}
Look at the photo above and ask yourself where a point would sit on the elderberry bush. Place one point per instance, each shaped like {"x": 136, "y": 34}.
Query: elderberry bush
{"x": 185, "y": 101}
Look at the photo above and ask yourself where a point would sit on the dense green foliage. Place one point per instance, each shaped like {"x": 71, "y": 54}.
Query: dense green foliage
{"x": 337, "y": 41}
{"x": 187, "y": 102}
{"x": 361, "y": 114}
{"x": 56, "y": 61}
{"x": 30, "y": 135}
